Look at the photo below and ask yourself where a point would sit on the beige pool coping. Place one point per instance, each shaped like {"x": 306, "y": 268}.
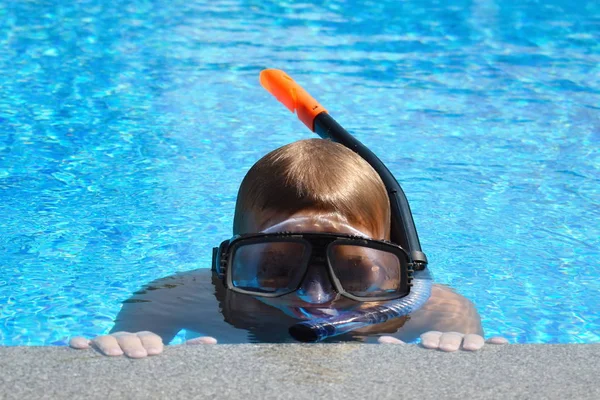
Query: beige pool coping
{"x": 305, "y": 371}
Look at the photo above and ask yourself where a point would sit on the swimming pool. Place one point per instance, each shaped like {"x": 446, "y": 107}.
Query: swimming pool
{"x": 126, "y": 128}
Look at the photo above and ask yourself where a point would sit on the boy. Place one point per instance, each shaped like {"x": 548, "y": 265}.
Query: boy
{"x": 311, "y": 185}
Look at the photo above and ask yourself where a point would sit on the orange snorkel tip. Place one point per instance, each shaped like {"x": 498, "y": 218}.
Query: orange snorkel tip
{"x": 292, "y": 95}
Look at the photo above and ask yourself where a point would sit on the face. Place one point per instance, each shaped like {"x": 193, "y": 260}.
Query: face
{"x": 316, "y": 297}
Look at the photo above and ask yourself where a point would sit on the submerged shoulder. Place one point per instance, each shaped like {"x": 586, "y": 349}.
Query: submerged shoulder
{"x": 445, "y": 297}
{"x": 446, "y": 293}
{"x": 446, "y": 310}
{"x": 182, "y": 278}
{"x": 190, "y": 282}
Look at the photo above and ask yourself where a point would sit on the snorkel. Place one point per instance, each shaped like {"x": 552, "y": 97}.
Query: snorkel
{"x": 403, "y": 231}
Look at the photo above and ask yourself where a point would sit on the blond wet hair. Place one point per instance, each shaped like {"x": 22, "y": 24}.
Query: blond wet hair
{"x": 318, "y": 175}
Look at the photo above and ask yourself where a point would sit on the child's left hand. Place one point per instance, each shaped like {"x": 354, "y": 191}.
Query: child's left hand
{"x": 449, "y": 341}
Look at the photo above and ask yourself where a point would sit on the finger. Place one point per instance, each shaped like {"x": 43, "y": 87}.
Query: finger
{"x": 79, "y": 343}
{"x": 108, "y": 345}
{"x": 450, "y": 341}
{"x": 151, "y": 342}
{"x": 472, "y": 342}
{"x": 131, "y": 345}
{"x": 389, "y": 340}
{"x": 431, "y": 339}
{"x": 202, "y": 340}
{"x": 497, "y": 340}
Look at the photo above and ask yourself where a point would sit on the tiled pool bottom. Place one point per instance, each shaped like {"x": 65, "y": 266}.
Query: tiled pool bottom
{"x": 299, "y": 371}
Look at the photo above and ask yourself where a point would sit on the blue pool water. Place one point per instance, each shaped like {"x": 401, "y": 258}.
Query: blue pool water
{"x": 127, "y": 126}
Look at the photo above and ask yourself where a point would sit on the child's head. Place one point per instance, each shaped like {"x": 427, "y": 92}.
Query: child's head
{"x": 310, "y": 185}
{"x": 313, "y": 177}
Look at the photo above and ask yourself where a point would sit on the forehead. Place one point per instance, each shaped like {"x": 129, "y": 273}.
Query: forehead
{"x": 319, "y": 225}
{"x": 313, "y": 221}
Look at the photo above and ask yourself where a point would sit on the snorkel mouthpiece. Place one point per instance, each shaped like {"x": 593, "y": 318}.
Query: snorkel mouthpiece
{"x": 319, "y": 329}
{"x": 291, "y": 95}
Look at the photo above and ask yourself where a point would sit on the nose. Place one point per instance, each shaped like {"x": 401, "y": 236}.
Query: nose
{"x": 316, "y": 287}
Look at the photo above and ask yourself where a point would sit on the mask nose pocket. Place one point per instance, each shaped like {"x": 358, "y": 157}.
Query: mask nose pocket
{"x": 316, "y": 287}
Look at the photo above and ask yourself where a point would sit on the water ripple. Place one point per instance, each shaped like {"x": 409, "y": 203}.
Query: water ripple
{"x": 126, "y": 127}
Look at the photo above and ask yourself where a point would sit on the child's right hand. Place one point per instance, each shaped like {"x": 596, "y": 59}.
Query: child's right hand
{"x": 133, "y": 345}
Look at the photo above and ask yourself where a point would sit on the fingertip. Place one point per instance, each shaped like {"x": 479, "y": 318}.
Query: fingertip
{"x": 448, "y": 348}
{"x": 211, "y": 340}
{"x": 113, "y": 352}
{"x": 107, "y": 345}
{"x": 497, "y": 340}
{"x": 151, "y": 342}
{"x": 450, "y": 341}
{"x": 430, "y": 344}
{"x": 79, "y": 343}
{"x": 471, "y": 346}
{"x": 473, "y": 342}
{"x": 389, "y": 340}
{"x": 431, "y": 339}
{"x": 153, "y": 351}
{"x": 137, "y": 353}
{"x": 202, "y": 340}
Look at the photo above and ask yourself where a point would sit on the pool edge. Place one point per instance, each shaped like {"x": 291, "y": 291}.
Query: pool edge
{"x": 305, "y": 371}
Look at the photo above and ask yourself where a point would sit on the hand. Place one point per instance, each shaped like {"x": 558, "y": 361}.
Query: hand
{"x": 449, "y": 341}
{"x": 133, "y": 345}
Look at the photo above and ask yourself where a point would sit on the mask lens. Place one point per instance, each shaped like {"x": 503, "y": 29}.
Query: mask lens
{"x": 268, "y": 267}
{"x": 366, "y": 272}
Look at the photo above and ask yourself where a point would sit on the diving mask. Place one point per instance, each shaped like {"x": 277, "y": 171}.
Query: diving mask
{"x": 276, "y": 264}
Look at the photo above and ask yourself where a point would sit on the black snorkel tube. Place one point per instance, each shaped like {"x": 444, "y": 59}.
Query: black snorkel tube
{"x": 403, "y": 230}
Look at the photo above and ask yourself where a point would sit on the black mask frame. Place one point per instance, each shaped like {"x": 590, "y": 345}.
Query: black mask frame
{"x": 318, "y": 246}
